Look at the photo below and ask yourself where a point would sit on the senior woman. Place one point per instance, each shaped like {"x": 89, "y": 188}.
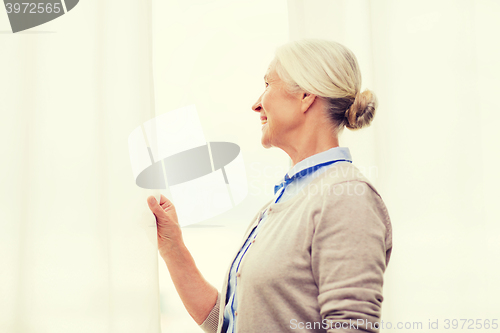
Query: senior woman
{"x": 314, "y": 256}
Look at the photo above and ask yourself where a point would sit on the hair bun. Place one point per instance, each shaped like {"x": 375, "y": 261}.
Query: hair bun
{"x": 362, "y": 110}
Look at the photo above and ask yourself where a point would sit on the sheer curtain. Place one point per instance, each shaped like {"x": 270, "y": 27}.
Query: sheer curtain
{"x": 432, "y": 149}
{"x": 214, "y": 54}
{"x": 76, "y": 252}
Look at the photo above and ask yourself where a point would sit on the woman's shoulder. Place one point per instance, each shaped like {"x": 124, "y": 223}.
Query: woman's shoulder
{"x": 345, "y": 179}
{"x": 345, "y": 191}
{"x": 344, "y": 172}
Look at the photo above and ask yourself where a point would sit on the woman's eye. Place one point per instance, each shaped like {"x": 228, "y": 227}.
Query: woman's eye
{"x": 267, "y": 84}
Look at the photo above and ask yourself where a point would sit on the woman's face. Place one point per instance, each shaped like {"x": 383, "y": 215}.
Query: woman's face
{"x": 280, "y": 109}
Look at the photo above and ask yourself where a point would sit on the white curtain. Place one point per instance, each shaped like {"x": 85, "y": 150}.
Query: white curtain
{"x": 432, "y": 150}
{"x": 77, "y": 241}
{"x": 76, "y": 252}
{"x": 214, "y": 54}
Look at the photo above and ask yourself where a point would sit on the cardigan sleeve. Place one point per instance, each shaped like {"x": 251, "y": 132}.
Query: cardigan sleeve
{"x": 211, "y": 323}
{"x": 348, "y": 256}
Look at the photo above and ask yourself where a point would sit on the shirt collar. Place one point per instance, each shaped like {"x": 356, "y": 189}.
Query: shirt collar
{"x": 335, "y": 153}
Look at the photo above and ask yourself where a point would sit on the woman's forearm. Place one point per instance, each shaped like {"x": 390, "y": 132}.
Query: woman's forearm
{"x": 196, "y": 293}
{"x": 198, "y": 296}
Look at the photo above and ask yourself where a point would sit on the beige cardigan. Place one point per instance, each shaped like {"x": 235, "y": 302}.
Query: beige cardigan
{"x": 318, "y": 261}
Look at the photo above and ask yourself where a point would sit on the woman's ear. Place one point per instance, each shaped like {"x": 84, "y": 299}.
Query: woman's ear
{"x": 307, "y": 100}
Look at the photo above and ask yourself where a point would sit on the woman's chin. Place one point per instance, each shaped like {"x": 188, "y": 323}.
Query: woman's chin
{"x": 265, "y": 137}
{"x": 265, "y": 142}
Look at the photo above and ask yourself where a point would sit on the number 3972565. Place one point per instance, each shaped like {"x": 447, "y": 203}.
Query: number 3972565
{"x": 33, "y": 8}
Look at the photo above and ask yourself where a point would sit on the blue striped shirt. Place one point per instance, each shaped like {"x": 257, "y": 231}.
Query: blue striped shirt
{"x": 336, "y": 153}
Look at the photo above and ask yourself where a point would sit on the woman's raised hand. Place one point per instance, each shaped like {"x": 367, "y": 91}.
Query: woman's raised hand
{"x": 167, "y": 225}
{"x": 198, "y": 296}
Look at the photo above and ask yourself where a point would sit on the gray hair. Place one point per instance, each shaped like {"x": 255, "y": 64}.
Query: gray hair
{"x": 330, "y": 71}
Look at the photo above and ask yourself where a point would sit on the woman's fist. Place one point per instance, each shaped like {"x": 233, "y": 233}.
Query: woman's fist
{"x": 167, "y": 225}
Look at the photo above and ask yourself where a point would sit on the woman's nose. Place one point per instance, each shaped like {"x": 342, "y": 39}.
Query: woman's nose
{"x": 257, "y": 106}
